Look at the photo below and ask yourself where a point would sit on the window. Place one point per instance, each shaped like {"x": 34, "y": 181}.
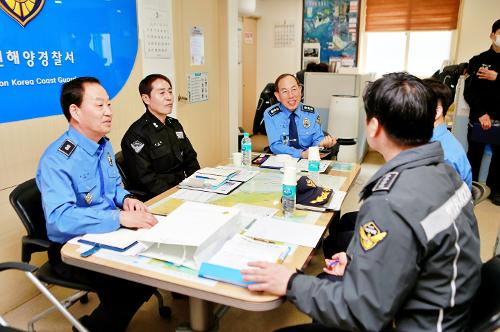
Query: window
{"x": 420, "y": 53}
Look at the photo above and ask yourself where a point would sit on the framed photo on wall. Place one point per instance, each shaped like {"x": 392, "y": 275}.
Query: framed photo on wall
{"x": 330, "y": 32}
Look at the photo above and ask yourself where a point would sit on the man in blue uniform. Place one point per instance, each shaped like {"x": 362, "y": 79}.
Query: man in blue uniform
{"x": 454, "y": 153}
{"x": 413, "y": 264}
{"x": 291, "y": 126}
{"x": 81, "y": 193}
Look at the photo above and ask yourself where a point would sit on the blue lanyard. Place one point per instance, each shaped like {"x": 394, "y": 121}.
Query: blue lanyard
{"x": 100, "y": 152}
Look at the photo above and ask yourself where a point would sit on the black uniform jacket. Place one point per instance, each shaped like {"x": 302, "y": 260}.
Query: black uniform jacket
{"x": 157, "y": 156}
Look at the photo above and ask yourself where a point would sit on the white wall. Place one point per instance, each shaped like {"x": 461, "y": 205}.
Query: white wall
{"x": 271, "y": 61}
{"x": 475, "y": 27}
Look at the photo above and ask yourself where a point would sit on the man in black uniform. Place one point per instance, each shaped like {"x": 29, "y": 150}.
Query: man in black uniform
{"x": 413, "y": 263}
{"x": 156, "y": 150}
{"x": 482, "y": 93}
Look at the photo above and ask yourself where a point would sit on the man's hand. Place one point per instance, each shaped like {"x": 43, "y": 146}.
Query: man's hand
{"x": 336, "y": 266}
{"x": 132, "y": 204}
{"x": 137, "y": 219}
{"x": 304, "y": 154}
{"x": 328, "y": 141}
{"x": 486, "y": 74}
{"x": 485, "y": 122}
{"x": 268, "y": 277}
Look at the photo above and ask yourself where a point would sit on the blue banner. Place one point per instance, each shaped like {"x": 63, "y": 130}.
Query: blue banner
{"x": 45, "y": 43}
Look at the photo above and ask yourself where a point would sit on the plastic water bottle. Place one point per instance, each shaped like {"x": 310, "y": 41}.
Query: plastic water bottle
{"x": 289, "y": 190}
{"x": 246, "y": 150}
{"x": 313, "y": 164}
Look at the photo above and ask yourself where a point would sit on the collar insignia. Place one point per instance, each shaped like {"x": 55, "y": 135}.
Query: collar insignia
{"x": 137, "y": 146}
{"x": 370, "y": 235}
{"x": 67, "y": 148}
{"x": 386, "y": 182}
{"x": 22, "y": 11}
{"x": 88, "y": 198}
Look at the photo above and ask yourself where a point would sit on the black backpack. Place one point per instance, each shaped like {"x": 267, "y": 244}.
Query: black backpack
{"x": 267, "y": 98}
{"x": 450, "y": 75}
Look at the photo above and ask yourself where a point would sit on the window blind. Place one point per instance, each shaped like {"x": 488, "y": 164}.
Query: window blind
{"x": 411, "y": 15}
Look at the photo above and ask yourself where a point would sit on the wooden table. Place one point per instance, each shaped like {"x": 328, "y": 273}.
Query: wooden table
{"x": 202, "y": 297}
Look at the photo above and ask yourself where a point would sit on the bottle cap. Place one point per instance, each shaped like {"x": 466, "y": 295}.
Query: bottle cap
{"x": 245, "y": 134}
{"x": 313, "y": 153}
{"x": 290, "y": 176}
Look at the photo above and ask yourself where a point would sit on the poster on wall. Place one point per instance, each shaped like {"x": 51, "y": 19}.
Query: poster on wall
{"x": 333, "y": 24}
{"x": 47, "y": 43}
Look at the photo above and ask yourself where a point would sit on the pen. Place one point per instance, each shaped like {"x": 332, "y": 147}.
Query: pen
{"x": 332, "y": 263}
{"x": 204, "y": 177}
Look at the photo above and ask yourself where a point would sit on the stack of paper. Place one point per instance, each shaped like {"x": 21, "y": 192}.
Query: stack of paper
{"x": 216, "y": 180}
{"x": 278, "y": 161}
{"x": 226, "y": 264}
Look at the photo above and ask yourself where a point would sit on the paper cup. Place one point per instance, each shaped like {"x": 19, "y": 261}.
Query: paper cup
{"x": 290, "y": 176}
{"x": 237, "y": 158}
{"x": 313, "y": 153}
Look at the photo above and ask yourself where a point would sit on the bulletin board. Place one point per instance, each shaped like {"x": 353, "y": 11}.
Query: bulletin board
{"x": 330, "y": 32}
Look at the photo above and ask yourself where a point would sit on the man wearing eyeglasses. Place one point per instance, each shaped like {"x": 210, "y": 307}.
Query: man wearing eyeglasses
{"x": 291, "y": 126}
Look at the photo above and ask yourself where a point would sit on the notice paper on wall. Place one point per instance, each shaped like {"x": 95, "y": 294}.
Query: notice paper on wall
{"x": 197, "y": 86}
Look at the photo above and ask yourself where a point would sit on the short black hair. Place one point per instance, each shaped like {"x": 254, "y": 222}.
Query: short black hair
{"x": 495, "y": 26}
{"x": 146, "y": 85}
{"x": 282, "y": 76}
{"x": 441, "y": 91}
{"x": 404, "y": 106}
{"x": 72, "y": 93}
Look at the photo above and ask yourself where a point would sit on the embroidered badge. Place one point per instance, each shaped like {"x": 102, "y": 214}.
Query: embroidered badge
{"x": 318, "y": 119}
{"x": 137, "y": 146}
{"x": 370, "y": 235}
{"x": 110, "y": 160}
{"x": 180, "y": 134}
{"x": 67, "y": 148}
{"x": 88, "y": 198}
{"x": 21, "y": 10}
{"x": 308, "y": 109}
{"x": 385, "y": 182}
{"x": 275, "y": 110}
{"x": 306, "y": 123}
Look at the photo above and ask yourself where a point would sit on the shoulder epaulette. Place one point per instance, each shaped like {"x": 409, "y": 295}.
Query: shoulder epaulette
{"x": 67, "y": 148}
{"x": 386, "y": 182}
{"x": 307, "y": 108}
{"x": 275, "y": 110}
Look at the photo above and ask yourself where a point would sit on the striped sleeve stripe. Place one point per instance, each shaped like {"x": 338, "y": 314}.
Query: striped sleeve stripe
{"x": 443, "y": 217}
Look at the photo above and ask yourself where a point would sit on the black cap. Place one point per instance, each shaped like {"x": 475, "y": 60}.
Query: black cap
{"x": 308, "y": 193}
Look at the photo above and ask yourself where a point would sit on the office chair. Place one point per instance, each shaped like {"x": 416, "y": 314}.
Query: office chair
{"x": 26, "y": 200}
{"x": 485, "y": 310}
{"x": 480, "y": 192}
{"x": 120, "y": 164}
{"x": 29, "y": 270}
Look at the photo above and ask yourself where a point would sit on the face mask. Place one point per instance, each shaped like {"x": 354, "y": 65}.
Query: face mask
{"x": 497, "y": 41}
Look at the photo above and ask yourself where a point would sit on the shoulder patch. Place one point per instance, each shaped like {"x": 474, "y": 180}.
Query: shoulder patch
{"x": 137, "y": 146}
{"x": 307, "y": 108}
{"x": 370, "y": 235}
{"x": 386, "y": 182}
{"x": 67, "y": 148}
{"x": 275, "y": 110}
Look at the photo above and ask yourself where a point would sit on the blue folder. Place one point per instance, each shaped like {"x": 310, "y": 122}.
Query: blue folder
{"x": 222, "y": 273}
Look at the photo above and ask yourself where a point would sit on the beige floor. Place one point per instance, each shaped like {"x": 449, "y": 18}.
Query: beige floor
{"x": 147, "y": 319}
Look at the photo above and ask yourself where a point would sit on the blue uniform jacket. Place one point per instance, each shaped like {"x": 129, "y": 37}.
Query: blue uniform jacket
{"x": 80, "y": 187}
{"x": 277, "y": 120}
{"x": 454, "y": 153}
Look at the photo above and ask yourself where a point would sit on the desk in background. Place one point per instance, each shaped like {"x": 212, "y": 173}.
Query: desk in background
{"x": 203, "y": 295}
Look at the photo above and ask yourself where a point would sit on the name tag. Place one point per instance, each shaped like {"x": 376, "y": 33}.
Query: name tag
{"x": 180, "y": 134}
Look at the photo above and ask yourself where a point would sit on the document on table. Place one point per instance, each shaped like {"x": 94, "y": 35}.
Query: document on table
{"x": 286, "y": 231}
{"x": 277, "y": 161}
{"x": 241, "y": 175}
{"x": 255, "y": 211}
{"x": 194, "y": 195}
